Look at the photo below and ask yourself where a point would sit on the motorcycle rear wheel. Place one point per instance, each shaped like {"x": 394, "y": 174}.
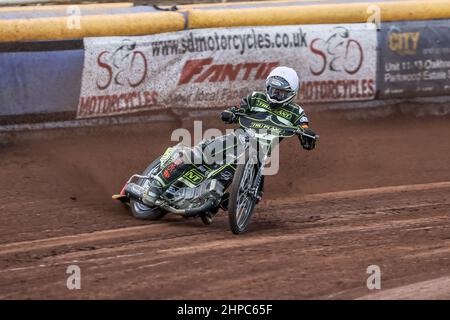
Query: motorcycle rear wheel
{"x": 142, "y": 211}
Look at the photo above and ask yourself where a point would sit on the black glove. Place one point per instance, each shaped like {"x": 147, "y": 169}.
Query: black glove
{"x": 228, "y": 116}
{"x": 307, "y": 142}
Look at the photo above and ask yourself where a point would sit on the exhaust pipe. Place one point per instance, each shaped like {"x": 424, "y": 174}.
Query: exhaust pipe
{"x": 134, "y": 191}
{"x": 208, "y": 205}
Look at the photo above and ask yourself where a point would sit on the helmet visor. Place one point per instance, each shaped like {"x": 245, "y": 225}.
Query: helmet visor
{"x": 279, "y": 94}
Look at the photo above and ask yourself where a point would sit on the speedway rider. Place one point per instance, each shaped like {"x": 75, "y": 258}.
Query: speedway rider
{"x": 282, "y": 85}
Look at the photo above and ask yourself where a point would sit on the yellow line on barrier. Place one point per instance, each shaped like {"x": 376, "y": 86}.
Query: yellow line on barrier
{"x": 64, "y": 7}
{"x": 97, "y": 25}
{"x": 319, "y": 13}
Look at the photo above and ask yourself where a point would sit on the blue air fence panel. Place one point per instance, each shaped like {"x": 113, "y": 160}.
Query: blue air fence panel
{"x": 40, "y": 82}
{"x": 414, "y": 59}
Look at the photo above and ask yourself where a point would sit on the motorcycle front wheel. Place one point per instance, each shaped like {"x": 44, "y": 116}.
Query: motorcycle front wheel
{"x": 242, "y": 202}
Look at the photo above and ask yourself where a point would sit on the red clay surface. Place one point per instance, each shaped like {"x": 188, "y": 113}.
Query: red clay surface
{"x": 313, "y": 236}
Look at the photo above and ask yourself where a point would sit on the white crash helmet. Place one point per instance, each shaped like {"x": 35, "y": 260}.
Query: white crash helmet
{"x": 281, "y": 86}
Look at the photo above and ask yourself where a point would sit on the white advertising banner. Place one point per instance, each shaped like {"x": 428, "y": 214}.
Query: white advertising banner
{"x": 217, "y": 67}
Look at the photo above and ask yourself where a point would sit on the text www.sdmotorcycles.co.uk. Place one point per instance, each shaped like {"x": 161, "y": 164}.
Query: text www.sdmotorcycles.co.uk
{"x": 240, "y": 42}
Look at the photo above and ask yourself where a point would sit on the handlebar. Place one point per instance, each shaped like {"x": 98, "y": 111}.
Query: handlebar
{"x": 296, "y": 130}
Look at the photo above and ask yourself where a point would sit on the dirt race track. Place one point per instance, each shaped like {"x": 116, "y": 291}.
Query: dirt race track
{"x": 375, "y": 192}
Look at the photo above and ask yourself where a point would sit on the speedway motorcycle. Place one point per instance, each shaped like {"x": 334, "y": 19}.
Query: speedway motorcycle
{"x": 233, "y": 184}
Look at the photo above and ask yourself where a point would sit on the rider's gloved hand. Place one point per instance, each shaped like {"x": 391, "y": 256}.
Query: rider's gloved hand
{"x": 307, "y": 142}
{"x": 228, "y": 116}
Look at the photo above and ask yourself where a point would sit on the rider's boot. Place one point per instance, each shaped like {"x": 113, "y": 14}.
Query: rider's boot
{"x": 259, "y": 196}
{"x": 153, "y": 193}
{"x": 208, "y": 217}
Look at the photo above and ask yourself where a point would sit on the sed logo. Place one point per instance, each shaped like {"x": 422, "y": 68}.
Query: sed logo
{"x": 337, "y": 53}
{"x": 124, "y": 66}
